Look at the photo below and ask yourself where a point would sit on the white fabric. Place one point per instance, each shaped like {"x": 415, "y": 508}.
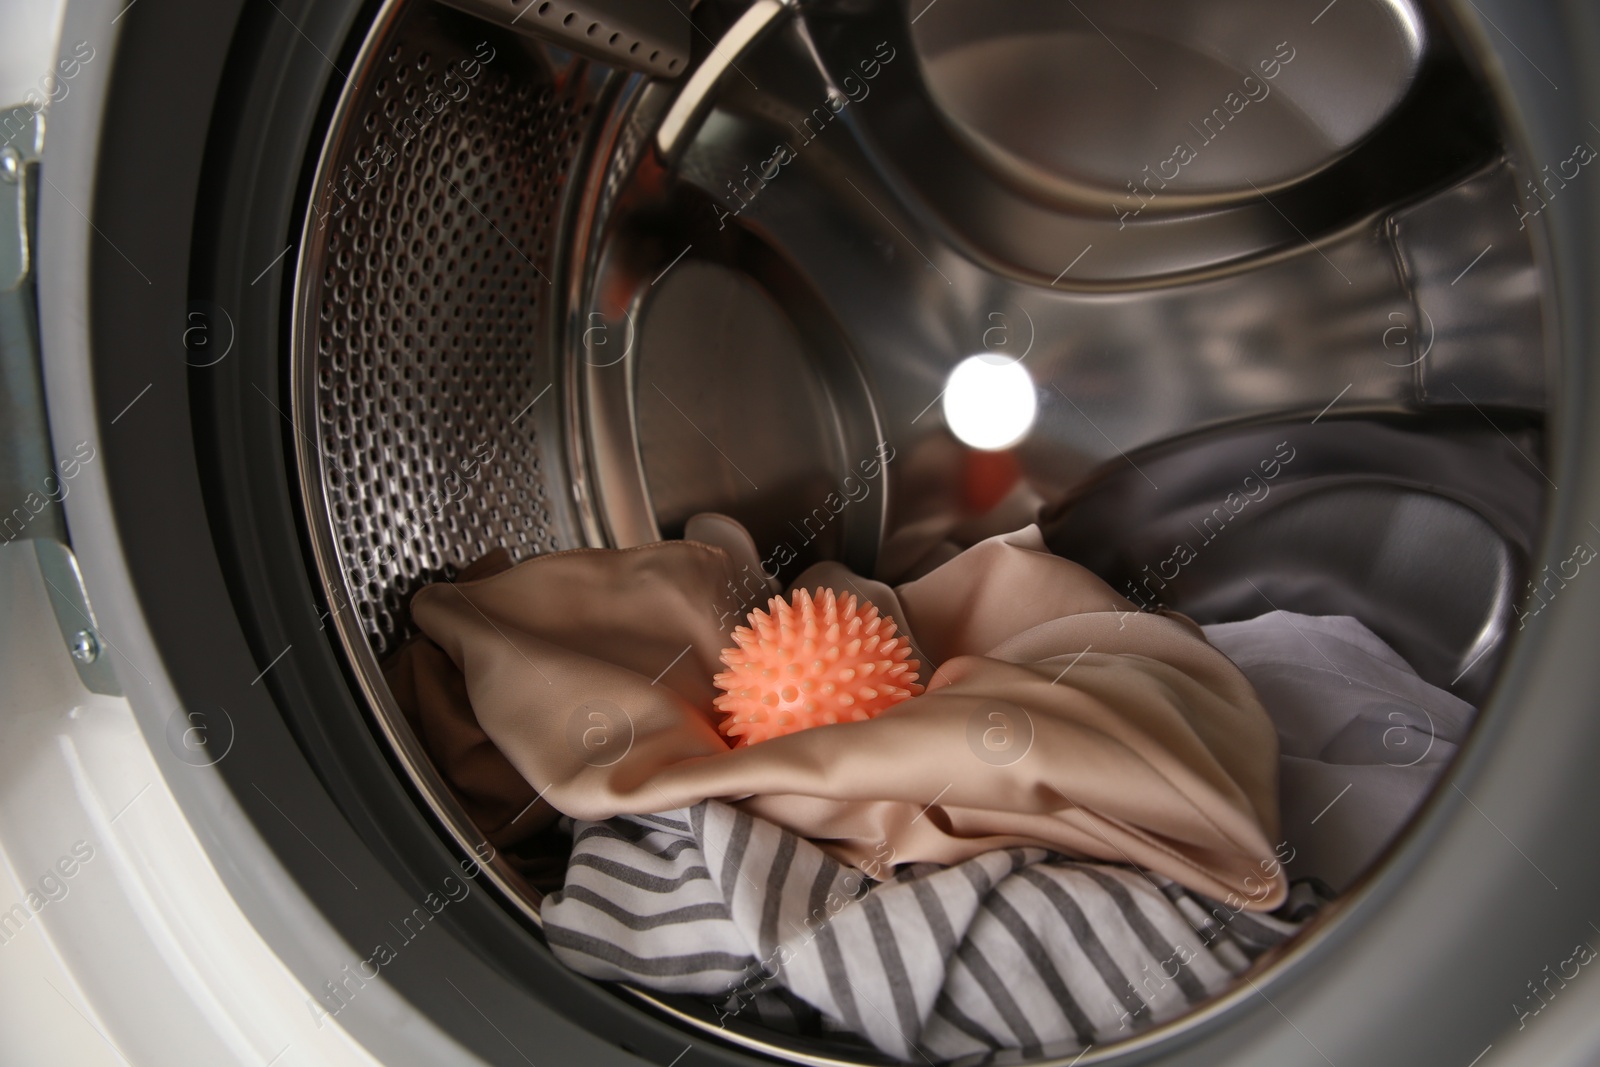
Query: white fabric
{"x": 1357, "y": 730}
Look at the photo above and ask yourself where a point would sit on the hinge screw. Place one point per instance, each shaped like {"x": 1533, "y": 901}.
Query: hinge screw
{"x": 85, "y": 646}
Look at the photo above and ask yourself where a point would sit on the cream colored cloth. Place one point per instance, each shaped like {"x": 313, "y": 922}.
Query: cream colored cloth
{"x": 1057, "y": 716}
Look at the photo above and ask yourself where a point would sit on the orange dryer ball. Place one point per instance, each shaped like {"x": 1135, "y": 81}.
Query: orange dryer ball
{"x": 817, "y": 661}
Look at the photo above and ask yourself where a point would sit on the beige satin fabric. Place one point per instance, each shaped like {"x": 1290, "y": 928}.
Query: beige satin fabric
{"x": 1057, "y": 715}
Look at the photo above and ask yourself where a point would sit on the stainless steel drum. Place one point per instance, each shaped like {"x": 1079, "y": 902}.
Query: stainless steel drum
{"x": 1040, "y": 93}
{"x": 570, "y": 274}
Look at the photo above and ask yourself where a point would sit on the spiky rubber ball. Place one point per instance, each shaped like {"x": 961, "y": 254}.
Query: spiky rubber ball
{"x": 813, "y": 662}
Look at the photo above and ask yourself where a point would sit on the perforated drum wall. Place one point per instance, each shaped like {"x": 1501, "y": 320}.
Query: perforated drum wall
{"x": 425, "y": 332}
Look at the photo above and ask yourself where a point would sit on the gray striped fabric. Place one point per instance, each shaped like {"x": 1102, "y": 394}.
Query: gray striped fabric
{"x": 1013, "y": 949}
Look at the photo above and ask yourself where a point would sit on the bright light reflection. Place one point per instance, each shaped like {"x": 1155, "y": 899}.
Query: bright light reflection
{"x": 990, "y": 405}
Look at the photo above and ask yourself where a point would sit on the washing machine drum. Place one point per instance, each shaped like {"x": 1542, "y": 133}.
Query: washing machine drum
{"x": 512, "y": 276}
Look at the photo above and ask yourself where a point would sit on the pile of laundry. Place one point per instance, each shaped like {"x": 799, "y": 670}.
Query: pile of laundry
{"x": 1090, "y": 820}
